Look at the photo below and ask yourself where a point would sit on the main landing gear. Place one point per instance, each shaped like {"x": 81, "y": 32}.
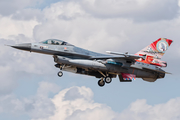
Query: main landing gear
{"x": 103, "y": 80}
{"x": 108, "y": 79}
{"x": 60, "y": 73}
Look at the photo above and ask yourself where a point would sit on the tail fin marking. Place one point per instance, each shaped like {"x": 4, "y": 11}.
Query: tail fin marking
{"x": 156, "y": 49}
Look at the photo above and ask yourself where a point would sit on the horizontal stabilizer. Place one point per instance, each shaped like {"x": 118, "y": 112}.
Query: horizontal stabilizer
{"x": 161, "y": 71}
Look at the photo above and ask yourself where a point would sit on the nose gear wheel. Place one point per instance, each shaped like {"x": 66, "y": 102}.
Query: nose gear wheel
{"x": 60, "y": 73}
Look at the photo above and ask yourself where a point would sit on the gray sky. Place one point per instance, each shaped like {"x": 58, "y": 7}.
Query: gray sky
{"x": 30, "y": 88}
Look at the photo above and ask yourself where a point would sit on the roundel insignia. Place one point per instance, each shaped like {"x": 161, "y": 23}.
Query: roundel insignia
{"x": 162, "y": 46}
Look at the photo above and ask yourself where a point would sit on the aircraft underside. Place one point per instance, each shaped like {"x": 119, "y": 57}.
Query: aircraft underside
{"x": 103, "y": 71}
{"x": 104, "y": 76}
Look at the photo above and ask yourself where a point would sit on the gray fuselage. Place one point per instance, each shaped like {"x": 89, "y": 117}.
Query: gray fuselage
{"x": 82, "y": 61}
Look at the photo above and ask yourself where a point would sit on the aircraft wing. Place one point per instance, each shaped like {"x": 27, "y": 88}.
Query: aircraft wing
{"x": 123, "y": 56}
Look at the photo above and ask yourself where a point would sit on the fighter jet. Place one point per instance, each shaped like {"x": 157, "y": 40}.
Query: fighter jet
{"x": 145, "y": 64}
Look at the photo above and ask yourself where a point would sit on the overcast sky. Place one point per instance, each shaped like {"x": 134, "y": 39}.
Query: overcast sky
{"x": 30, "y": 88}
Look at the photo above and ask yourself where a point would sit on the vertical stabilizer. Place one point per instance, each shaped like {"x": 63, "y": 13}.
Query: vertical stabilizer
{"x": 156, "y": 49}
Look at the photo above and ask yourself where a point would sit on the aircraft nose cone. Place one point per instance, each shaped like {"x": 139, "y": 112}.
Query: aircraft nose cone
{"x": 24, "y": 46}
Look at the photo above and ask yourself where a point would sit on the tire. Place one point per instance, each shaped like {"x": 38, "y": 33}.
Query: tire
{"x": 108, "y": 79}
{"x": 101, "y": 83}
{"x": 60, "y": 73}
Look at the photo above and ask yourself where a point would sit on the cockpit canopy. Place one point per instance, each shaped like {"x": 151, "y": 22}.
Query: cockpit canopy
{"x": 55, "y": 42}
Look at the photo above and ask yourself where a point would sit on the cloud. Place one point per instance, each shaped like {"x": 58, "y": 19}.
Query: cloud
{"x": 138, "y": 10}
{"x": 76, "y": 103}
{"x": 10, "y": 27}
{"x": 79, "y": 105}
{"x": 7, "y": 81}
{"x": 16, "y": 65}
{"x": 140, "y": 110}
{"x": 45, "y": 88}
{"x": 41, "y": 107}
{"x": 64, "y": 10}
{"x": 8, "y": 7}
{"x": 37, "y": 106}
{"x": 80, "y": 108}
{"x": 73, "y": 94}
{"x": 28, "y": 14}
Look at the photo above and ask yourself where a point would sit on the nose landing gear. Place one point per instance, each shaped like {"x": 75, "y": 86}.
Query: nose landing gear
{"x": 60, "y": 73}
{"x": 60, "y": 66}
